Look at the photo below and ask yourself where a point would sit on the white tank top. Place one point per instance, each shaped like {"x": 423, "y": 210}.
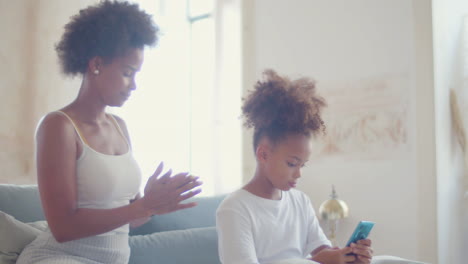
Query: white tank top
{"x": 106, "y": 181}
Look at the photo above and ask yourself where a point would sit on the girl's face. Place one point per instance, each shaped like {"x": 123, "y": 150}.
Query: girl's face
{"x": 116, "y": 80}
{"x": 285, "y": 160}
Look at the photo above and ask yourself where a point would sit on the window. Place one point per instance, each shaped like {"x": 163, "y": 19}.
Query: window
{"x": 185, "y": 111}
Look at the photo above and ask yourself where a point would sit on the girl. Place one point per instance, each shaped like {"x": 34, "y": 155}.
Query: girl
{"x": 268, "y": 220}
{"x": 86, "y": 173}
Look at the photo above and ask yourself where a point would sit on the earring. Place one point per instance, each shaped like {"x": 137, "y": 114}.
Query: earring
{"x": 96, "y": 72}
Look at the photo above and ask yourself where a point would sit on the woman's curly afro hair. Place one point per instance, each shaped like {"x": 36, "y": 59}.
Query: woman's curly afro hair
{"x": 279, "y": 106}
{"x": 108, "y": 30}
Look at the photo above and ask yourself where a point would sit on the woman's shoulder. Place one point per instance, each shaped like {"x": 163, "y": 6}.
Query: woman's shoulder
{"x": 54, "y": 121}
{"x": 55, "y": 129}
{"x": 117, "y": 118}
{"x": 120, "y": 122}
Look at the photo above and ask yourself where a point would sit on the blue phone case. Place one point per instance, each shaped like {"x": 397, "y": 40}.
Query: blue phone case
{"x": 361, "y": 232}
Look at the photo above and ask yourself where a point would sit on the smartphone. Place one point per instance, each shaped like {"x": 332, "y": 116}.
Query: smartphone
{"x": 361, "y": 232}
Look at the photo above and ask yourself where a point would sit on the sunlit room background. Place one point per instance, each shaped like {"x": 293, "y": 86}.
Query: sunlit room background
{"x": 186, "y": 108}
{"x": 370, "y": 58}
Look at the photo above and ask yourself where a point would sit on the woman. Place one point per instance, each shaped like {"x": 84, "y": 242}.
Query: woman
{"x": 86, "y": 173}
{"x": 268, "y": 220}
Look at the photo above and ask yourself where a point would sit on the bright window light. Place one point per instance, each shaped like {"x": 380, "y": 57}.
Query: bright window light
{"x": 180, "y": 113}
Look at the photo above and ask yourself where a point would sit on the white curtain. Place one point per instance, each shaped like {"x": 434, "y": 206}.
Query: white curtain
{"x": 228, "y": 86}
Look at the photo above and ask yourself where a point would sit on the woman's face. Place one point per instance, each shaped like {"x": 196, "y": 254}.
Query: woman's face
{"x": 116, "y": 80}
{"x": 285, "y": 161}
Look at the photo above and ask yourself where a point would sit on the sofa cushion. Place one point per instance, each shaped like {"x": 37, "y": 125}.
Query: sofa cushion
{"x": 386, "y": 259}
{"x": 293, "y": 261}
{"x": 375, "y": 260}
{"x": 202, "y": 215}
{"x": 14, "y": 236}
{"x": 191, "y": 246}
{"x": 21, "y": 201}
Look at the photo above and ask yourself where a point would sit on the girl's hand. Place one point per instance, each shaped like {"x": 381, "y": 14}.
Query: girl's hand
{"x": 363, "y": 251}
{"x": 164, "y": 194}
{"x": 334, "y": 256}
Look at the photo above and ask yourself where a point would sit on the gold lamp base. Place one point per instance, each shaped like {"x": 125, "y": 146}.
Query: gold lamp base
{"x": 332, "y": 210}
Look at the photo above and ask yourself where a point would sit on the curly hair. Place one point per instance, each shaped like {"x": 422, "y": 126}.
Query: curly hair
{"x": 107, "y": 30}
{"x": 279, "y": 106}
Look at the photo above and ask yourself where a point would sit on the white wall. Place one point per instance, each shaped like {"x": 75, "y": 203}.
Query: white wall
{"x": 31, "y": 83}
{"x": 450, "y": 64}
{"x": 357, "y": 50}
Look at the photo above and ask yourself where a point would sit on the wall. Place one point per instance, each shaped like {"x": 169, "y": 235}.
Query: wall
{"x": 450, "y": 64}
{"x": 31, "y": 83}
{"x": 373, "y": 63}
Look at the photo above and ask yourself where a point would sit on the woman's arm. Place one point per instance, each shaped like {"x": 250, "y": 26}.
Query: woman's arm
{"x": 141, "y": 221}
{"x": 56, "y": 156}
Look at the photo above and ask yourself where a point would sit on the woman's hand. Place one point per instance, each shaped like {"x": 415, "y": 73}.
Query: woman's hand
{"x": 363, "y": 251}
{"x": 164, "y": 194}
{"x": 334, "y": 256}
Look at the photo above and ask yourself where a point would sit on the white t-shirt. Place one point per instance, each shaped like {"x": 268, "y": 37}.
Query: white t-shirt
{"x": 254, "y": 230}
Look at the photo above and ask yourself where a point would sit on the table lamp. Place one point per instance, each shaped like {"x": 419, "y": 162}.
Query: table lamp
{"x": 332, "y": 210}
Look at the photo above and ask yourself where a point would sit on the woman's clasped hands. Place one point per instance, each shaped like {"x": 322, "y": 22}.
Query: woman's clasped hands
{"x": 164, "y": 194}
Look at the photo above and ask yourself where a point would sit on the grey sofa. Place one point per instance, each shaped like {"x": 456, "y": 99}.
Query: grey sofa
{"x": 186, "y": 236}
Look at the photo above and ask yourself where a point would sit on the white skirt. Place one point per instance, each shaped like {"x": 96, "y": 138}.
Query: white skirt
{"x": 91, "y": 250}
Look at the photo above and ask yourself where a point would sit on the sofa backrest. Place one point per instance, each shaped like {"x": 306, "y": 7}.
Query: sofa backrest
{"x": 202, "y": 215}
{"x": 23, "y": 203}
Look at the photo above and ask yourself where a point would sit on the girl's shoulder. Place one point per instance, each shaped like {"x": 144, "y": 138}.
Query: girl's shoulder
{"x": 240, "y": 201}
{"x": 234, "y": 198}
{"x": 298, "y": 196}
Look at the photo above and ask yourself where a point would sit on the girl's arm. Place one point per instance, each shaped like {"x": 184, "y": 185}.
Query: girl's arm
{"x": 334, "y": 256}
{"x": 235, "y": 239}
{"x": 317, "y": 250}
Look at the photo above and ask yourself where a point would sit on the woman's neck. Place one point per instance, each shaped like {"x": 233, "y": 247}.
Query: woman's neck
{"x": 261, "y": 186}
{"x": 87, "y": 106}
